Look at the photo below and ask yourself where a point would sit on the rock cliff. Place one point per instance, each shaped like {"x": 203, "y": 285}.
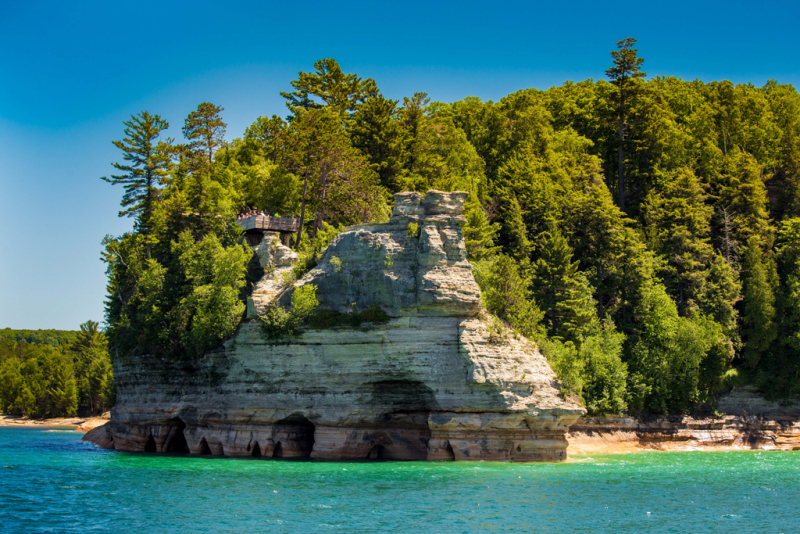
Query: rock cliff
{"x": 426, "y": 384}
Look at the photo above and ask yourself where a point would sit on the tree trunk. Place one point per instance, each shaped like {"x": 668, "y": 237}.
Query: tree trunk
{"x": 323, "y": 179}
{"x": 621, "y": 157}
{"x": 302, "y": 211}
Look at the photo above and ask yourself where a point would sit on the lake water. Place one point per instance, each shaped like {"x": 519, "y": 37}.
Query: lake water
{"x": 53, "y": 482}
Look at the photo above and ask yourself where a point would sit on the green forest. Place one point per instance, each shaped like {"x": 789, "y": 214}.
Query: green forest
{"x": 54, "y": 373}
{"x": 645, "y": 232}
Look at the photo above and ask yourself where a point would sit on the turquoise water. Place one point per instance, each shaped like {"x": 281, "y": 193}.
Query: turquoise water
{"x": 53, "y": 482}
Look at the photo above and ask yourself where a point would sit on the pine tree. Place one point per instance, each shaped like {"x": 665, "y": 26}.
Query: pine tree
{"x": 759, "y": 306}
{"x": 149, "y": 164}
{"x": 479, "y": 233}
{"x": 505, "y": 293}
{"x": 719, "y": 295}
{"x": 578, "y": 311}
{"x": 741, "y": 192}
{"x": 339, "y": 184}
{"x": 515, "y": 231}
{"x": 328, "y": 87}
{"x": 679, "y": 224}
{"x": 625, "y": 76}
{"x": 561, "y": 292}
{"x": 376, "y": 131}
{"x": 205, "y": 130}
{"x": 268, "y": 135}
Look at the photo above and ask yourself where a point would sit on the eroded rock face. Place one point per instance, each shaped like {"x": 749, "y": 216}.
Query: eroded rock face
{"x": 277, "y": 260}
{"x": 427, "y": 384}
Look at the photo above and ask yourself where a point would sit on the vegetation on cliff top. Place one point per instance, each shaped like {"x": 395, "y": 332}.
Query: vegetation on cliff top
{"x": 645, "y": 232}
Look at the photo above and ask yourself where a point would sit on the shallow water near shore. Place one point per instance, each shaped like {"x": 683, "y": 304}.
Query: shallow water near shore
{"x": 53, "y": 482}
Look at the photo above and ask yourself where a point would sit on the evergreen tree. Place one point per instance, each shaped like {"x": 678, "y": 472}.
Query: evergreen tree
{"x": 720, "y": 293}
{"x": 412, "y": 116}
{"x": 149, "y": 163}
{"x": 205, "y": 130}
{"x": 515, "y": 231}
{"x": 268, "y": 134}
{"x": 342, "y": 188}
{"x": 563, "y": 294}
{"x": 741, "y": 192}
{"x": 479, "y": 233}
{"x": 625, "y": 75}
{"x": 376, "y": 131}
{"x": 328, "y": 87}
{"x": 505, "y": 293}
{"x": 759, "y": 306}
{"x": 679, "y": 224}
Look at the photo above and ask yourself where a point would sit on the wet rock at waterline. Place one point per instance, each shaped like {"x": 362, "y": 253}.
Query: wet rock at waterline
{"x": 425, "y": 384}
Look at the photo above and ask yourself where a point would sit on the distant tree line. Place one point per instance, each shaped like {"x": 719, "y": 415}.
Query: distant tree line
{"x": 45, "y": 337}
{"x": 644, "y": 232}
{"x": 54, "y": 373}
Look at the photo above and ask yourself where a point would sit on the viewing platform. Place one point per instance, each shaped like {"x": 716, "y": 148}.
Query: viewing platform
{"x": 255, "y": 224}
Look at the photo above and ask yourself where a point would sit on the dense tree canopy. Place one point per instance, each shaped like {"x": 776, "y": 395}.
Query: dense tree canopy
{"x": 51, "y": 373}
{"x": 686, "y": 283}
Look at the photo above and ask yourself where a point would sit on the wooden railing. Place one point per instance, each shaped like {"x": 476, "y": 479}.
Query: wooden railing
{"x": 268, "y": 223}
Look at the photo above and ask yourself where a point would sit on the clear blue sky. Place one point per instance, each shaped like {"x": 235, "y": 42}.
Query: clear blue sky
{"x": 73, "y": 71}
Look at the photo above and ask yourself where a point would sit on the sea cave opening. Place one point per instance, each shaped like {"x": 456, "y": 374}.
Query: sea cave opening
{"x": 205, "y": 450}
{"x": 176, "y": 442}
{"x": 448, "y": 450}
{"x": 150, "y": 446}
{"x": 296, "y": 434}
{"x": 256, "y": 450}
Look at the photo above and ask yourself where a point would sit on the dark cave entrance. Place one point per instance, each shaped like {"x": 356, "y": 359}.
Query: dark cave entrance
{"x": 296, "y": 434}
{"x": 176, "y": 442}
{"x": 150, "y": 446}
{"x": 205, "y": 450}
{"x": 451, "y": 456}
{"x": 256, "y": 450}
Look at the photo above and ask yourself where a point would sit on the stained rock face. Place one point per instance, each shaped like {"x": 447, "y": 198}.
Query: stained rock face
{"x": 426, "y": 384}
{"x": 277, "y": 260}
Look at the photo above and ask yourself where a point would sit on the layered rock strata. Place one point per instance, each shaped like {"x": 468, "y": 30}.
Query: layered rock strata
{"x": 426, "y": 384}
{"x": 683, "y": 433}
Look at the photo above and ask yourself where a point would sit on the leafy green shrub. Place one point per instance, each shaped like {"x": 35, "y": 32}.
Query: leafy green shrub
{"x": 413, "y": 230}
{"x": 592, "y": 370}
{"x": 304, "y": 301}
{"x": 505, "y": 293}
{"x": 337, "y": 263}
{"x": 212, "y": 311}
{"x": 278, "y": 323}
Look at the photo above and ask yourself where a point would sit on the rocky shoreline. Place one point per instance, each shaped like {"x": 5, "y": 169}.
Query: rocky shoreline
{"x": 80, "y": 424}
{"x": 750, "y": 422}
{"x": 614, "y": 435}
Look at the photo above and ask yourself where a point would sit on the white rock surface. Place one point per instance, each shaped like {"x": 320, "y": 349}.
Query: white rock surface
{"x": 427, "y": 384}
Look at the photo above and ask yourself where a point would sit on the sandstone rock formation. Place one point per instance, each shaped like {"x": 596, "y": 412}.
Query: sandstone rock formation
{"x": 684, "y": 433}
{"x": 276, "y": 259}
{"x": 426, "y": 384}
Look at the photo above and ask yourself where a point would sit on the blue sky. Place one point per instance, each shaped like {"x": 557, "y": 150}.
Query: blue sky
{"x": 72, "y": 72}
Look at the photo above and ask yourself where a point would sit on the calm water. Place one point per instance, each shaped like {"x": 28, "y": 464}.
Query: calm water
{"x": 52, "y": 482}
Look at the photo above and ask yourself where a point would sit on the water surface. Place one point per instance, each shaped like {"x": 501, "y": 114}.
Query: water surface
{"x": 53, "y": 482}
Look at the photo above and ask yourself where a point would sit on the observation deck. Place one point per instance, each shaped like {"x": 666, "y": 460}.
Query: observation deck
{"x": 256, "y": 225}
